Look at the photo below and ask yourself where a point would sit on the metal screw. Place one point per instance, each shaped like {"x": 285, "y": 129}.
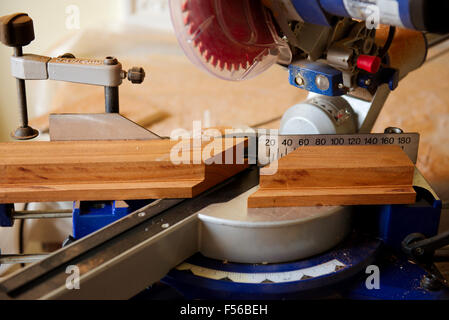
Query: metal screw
{"x": 299, "y": 80}
{"x": 110, "y": 61}
{"x": 322, "y": 82}
{"x": 419, "y": 251}
{"x": 67, "y": 56}
{"x": 391, "y": 130}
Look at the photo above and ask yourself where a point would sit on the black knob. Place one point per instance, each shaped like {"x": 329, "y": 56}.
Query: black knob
{"x": 16, "y": 30}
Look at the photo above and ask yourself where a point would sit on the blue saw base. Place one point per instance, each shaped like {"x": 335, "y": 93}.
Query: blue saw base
{"x": 399, "y": 278}
{"x": 356, "y": 255}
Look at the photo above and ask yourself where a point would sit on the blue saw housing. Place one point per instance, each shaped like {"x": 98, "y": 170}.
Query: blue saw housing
{"x": 421, "y": 15}
{"x": 310, "y": 71}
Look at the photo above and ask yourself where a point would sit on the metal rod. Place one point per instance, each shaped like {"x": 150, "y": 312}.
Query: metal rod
{"x": 38, "y": 214}
{"x": 21, "y": 93}
{"x": 111, "y": 99}
{"x": 21, "y": 258}
{"x": 18, "y": 51}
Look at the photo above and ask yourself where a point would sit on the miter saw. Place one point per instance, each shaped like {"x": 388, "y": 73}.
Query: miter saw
{"x": 213, "y": 244}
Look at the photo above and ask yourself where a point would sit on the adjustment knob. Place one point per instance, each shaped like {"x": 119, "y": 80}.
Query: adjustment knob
{"x": 16, "y": 30}
{"x": 370, "y": 64}
{"x": 136, "y": 75}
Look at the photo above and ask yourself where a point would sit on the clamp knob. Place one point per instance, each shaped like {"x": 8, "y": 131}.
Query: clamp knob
{"x": 136, "y": 75}
{"x": 16, "y": 30}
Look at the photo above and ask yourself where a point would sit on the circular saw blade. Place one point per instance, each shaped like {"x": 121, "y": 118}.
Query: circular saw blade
{"x": 229, "y": 38}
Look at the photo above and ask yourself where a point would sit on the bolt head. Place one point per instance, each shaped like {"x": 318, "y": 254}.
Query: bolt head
{"x": 67, "y": 56}
{"x": 419, "y": 251}
{"x": 110, "y": 61}
{"x": 322, "y": 82}
{"x": 391, "y": 130}
{"x": 136, "y": 75}
{"x": 299, "y": 80}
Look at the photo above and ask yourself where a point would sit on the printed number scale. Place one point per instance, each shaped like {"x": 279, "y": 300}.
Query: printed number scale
{"x": 275, "y": 147}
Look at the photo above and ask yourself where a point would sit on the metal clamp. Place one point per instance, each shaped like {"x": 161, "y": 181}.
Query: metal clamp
{"x": 17, "y": 31}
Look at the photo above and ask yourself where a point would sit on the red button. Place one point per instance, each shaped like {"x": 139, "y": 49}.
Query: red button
{"x": 369, "y": 63}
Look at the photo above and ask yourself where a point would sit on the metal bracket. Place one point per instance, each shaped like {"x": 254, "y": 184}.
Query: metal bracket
{"x": 101, "y": 126}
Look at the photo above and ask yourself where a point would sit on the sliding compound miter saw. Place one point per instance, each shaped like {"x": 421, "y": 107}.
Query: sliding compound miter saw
{"x": 349, "y": 54}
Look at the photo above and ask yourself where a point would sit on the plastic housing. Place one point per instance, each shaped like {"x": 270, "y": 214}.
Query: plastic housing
{"x": 212, "y": 28}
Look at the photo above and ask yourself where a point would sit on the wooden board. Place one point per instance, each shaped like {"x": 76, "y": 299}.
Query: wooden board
{"x": 112, "y": 170}
{"x": 346, "y": 175}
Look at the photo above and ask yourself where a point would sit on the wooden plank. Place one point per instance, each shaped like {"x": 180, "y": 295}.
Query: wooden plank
{"x": 332, "y": 166}
{"x": 345, "y": 175}
{"x": 111, "y": 170}
{"x": 267, "y": 198}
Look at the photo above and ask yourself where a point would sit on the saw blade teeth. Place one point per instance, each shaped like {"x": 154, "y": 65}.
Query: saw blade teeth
{"x": 187, "y": 20}
{"x": 196, "y": 41}
{"x": 209, "y": 39}
{"x": 191, "y": 29}
{"x": 201, "y": 48}
{"x": 185, "y": 6}
{"x": 214, "y": 61}
{"x": 207, "y": 55}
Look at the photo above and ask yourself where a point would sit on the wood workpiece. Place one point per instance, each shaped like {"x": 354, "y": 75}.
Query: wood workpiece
{"x": 118, "y": 170}
{"x": 337, "y": 175}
